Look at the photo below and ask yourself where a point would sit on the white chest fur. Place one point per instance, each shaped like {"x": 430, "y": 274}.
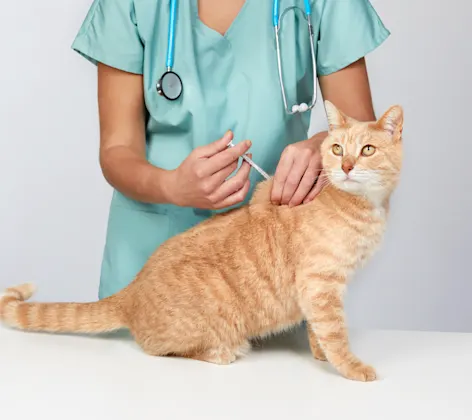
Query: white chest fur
{"x": 372, "y": 237}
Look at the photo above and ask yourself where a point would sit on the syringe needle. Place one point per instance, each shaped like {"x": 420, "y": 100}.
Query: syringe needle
{"x": 251, "y": 162}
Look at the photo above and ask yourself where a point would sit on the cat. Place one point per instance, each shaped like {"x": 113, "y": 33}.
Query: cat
{"x": 256, "y": 270}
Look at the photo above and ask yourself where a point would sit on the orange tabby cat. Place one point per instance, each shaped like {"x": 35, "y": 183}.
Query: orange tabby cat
{"x": 256, "y": 270}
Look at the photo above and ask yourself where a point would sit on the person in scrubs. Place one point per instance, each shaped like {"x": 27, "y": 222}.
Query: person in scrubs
{"x": 168, "y": 161}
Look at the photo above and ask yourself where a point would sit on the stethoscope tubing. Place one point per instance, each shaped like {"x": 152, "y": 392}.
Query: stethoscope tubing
{"x": 161, "y": 86}
{"x": 276, "y": 11}
{"x": 276, "y": 23}
{"x": 171, "y": 35}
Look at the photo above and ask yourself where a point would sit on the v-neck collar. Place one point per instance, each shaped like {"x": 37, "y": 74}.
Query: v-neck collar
{"x": 214, "y": 32}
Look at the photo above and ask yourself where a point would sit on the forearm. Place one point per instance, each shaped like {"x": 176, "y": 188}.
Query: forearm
{"x": 319, "y": 137}
{"x": 133, "y": 176}
{"x": 122, "y": 138}
{"x": 349, "y": 90}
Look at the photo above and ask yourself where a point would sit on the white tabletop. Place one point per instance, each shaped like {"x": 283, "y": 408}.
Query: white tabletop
{"x": 422, "y": 375}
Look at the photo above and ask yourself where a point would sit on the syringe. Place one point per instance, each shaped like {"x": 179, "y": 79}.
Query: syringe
{"x": 251, "y": 162}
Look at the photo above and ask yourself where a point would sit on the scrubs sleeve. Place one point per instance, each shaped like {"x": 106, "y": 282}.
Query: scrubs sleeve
{"x": 109, "y": 35}
{"x": 349, "y": 30}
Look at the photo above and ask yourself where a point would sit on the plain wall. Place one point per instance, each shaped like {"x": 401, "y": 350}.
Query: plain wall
{"x": 54, "y": 200}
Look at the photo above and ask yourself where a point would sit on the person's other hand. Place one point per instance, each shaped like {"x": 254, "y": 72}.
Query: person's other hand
{"x": 201, "y": 180}
{"x": 298, "y": 177}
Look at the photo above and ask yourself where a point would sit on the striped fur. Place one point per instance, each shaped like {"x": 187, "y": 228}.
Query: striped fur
{"x": 92, "y": 317}
{"x": 254, "y": 271}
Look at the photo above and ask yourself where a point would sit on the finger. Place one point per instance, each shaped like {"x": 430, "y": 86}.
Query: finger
{"x": 233, "y": 184}
{"x": 320, "y": 184}
{"x": 306, "y": 184}
{"x": 215, "y": 147}
{"x": 280, "y": 176}
{"x": 235, "y": 198}
{"x": 226, "y": 157}
{"x": 297, "y": 172}
{"x": 219, "y": 177}
{"x": 304, "y": 188}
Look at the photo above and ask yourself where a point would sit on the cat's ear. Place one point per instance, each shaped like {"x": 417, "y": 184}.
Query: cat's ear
{"x": 336, "y": 118}
{"x": 392, "y": 121}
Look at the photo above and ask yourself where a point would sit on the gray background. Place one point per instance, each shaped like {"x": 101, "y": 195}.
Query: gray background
{"x": 54, "y": 200}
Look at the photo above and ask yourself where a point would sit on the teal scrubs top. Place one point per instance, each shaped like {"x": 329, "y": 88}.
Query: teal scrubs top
{"x": 230, "y": 82}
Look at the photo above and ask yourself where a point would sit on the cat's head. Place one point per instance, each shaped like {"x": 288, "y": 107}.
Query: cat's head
{"x": 363, "y": 158}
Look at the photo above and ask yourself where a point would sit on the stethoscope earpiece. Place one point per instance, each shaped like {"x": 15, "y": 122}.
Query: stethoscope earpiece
{"x": 300, "y": 108}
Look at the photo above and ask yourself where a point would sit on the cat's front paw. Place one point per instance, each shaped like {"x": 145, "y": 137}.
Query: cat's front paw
{"x": 318, "y": 354}
{"x": 358, "y": 371}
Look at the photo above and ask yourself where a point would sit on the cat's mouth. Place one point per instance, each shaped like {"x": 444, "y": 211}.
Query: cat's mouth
{"x": 351, "y": 184}
{"x": 349, "y": 180}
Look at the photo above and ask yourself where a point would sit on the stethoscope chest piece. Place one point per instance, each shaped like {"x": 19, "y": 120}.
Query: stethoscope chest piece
{"x": 170, "y": 86}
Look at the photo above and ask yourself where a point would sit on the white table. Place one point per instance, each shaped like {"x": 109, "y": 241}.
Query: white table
{"x": 422, "y": 376}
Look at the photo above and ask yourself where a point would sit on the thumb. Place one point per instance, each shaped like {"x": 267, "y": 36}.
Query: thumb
{"x": 217, "y": 146}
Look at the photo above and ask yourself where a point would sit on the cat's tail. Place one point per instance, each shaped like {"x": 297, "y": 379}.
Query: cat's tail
{"x": 94, "y": 317}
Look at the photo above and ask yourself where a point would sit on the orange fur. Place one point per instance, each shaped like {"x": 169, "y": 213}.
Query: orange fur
{"x": 254, "y": 271}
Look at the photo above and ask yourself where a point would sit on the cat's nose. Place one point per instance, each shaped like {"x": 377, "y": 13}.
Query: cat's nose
{"x": 347, "y": 167}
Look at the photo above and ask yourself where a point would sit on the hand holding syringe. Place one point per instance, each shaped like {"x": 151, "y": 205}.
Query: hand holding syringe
{"x": 251, "y": 162}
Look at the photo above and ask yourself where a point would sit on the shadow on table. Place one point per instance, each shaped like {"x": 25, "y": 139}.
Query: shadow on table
{"x": 295, "y": 340}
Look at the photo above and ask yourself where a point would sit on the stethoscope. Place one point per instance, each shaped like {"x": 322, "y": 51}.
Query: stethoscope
{"x": 170, "y": 84}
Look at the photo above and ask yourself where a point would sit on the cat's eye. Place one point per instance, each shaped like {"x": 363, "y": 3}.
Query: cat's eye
{"x": 368, "y": 150}
{"x": 337, "y": 150}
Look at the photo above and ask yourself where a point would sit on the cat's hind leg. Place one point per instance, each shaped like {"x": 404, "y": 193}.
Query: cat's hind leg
{"x": 206, "y": 349}
{"x": 222, "y": 355}
{"x": 243, "y": 349}
{"x": 219, "y": 355}
{"x": 151, "y": 345}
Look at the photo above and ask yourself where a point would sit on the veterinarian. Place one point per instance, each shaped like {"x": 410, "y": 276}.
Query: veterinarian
{"x": 179, "y": 80}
